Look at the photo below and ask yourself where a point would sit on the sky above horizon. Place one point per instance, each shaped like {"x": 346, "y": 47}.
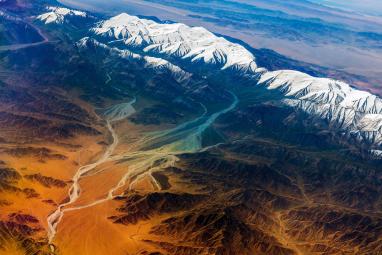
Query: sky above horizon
{"x": 371, "y": 7}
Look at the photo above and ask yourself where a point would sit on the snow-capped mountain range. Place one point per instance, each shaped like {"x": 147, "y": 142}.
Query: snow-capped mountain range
{"x": 353, "y": 112}
{"x": 58, "y": 14}
{"x": 356, "y": 112}
{"x": 177, "y": 40}
{"x": 158, "y": 64}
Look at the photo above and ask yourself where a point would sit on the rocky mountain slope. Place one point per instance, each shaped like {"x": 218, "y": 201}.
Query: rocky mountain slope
{"x": 354, "y": 113}
{"x": 129, "y": 135}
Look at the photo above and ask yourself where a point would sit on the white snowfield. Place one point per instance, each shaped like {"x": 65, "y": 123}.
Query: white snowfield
{"x": 350, "y": 111}
{"x": 376, "y": 153}
{"x": 57, "y": 15}
{"x": 157, "y": 64}
{"x": 356, "y": 112}
{"x": 160, "y": 64}
{"x": 177, "y": 40}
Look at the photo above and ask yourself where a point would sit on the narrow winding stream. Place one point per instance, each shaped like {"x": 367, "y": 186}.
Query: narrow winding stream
{"x": 157, "y": 150}
{"x": 75, "y": 191}
{"x": 115, "y": 113}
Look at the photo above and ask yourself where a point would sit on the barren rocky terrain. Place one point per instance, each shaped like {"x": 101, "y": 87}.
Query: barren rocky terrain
{"x": 104, "y": 152}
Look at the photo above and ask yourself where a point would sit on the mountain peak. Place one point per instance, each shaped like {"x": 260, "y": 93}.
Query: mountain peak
{"x": 57, "y": 15}
{"x": 348, "y": 111}
{"x": 177, "y": 40}
{"x": 357, "y": 112}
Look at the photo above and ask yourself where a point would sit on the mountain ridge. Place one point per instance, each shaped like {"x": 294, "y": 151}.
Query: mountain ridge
{"x": 354, "y": 112}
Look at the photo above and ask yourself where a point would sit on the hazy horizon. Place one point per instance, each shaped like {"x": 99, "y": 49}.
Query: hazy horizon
{"x": 316, "y": 48}
{"x": 370, "y": 7}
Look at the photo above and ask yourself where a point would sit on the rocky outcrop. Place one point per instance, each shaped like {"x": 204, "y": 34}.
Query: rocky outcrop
{"x": 216, "y": 232}
{"x": 21, "y": 229}
{"x": 141, "y": 207}
{"x": 42, "y": 152}
{"x": 8, "y": 179}
{"x": 46, "y": 181}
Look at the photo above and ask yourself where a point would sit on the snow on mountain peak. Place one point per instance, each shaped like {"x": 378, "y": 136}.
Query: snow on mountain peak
{"x": 161, "y": 64}
{"x": 57, "y": 15}
{"x": 157, "y": 64}
{"x": 376, "y": 154}
{"x": 349, "y": 111}
{"x": 327, "y": 91}
{"x": 357, "y": 112}
{"x": 177, "y": 40}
